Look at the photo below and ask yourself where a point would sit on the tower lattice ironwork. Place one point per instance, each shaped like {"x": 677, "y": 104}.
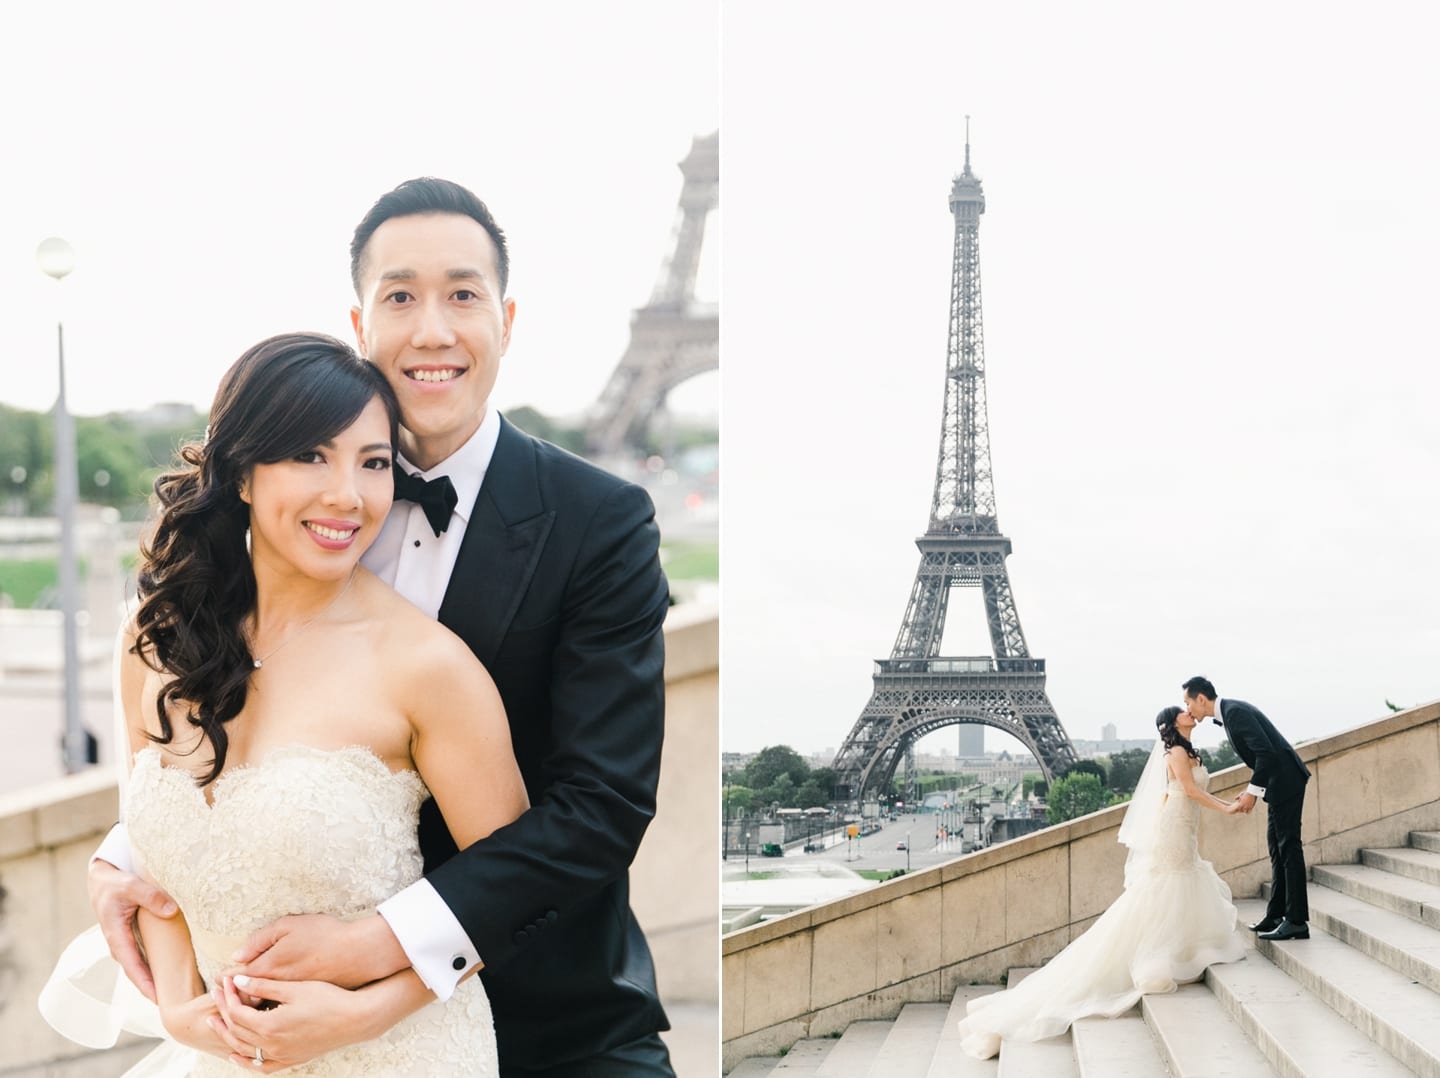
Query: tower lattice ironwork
{"x": 917, "y": 690}
{"x": 673, "y": 337}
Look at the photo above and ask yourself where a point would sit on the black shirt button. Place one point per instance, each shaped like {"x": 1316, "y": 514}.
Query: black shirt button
{"x": 457, "y": 963}
{"x": 417, "y": 542}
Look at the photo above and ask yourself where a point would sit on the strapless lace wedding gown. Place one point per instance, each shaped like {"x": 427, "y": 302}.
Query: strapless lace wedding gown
{"x": 1173, "y": 919}
{"x": 303, "y": 831}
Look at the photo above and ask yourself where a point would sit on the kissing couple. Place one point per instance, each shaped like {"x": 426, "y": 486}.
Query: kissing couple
{"x": 1175, "y": 916}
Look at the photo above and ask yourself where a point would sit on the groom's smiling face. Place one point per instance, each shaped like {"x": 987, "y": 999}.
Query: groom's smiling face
{"x": 433, "y": 319}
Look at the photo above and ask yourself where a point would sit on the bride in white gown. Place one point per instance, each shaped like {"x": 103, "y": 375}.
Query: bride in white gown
{"x": 288, "y": 713}
{"x": 1173, "y": 919}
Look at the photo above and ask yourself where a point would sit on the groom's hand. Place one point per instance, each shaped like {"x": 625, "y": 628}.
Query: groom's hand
{"x": 1246, "y": 802}
{"x": 115, "y": 896}
{"x": 317, "y": 947}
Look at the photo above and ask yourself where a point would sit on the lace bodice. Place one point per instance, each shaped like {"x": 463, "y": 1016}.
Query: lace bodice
{"x": 303, "y": 831}
{"x": 1175, "y": 845}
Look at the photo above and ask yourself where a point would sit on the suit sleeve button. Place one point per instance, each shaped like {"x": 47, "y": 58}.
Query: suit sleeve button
{"x": 551, "y": 915}
{"x": 457, "y": 963}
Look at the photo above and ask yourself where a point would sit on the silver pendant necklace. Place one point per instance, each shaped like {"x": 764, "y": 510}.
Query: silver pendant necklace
{"x": 261, "y": 660}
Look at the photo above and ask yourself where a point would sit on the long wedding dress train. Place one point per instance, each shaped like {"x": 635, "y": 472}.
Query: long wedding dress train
{"x": 1173, "y": 919}
{"x": 303, "y": 831}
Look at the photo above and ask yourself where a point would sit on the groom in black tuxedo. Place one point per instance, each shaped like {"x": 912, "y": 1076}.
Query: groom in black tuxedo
{"x": 1279, "y": 777}
{"x": 548, "y": 568}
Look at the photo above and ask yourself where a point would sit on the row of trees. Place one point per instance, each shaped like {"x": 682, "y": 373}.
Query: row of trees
{"x": 117, "y": 458}
{"x": 1088, "y": 787}
{"x": 778, "y": 775}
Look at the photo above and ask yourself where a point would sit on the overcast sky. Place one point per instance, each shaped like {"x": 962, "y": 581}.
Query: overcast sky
{"x": 209, "y": 165}
{"x": 1209, "y": 268}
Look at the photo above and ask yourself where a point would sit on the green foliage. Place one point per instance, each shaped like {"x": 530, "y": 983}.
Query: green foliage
{"x": 773, "y": 761}
{"x": 1088, "y": 767}
{"x": 1076, "y": 795}
{"x": 1125, "y": 768}
{"x": 737, "y": 800}
{"x": 1029, "y": 781}
{"x": 1219, "y": 759}
{"x": 542, "y": 426}
{"x": 117, "y": 458}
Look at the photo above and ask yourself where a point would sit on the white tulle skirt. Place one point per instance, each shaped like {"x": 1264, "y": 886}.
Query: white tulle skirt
{"x": 1163, "y": 930}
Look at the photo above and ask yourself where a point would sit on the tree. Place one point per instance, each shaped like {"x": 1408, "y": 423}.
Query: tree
{"x": 1125, "y": 768}
{"x": 773, "y": 761}
{"x": 737, "y": 800}
{"x": 1087, "y": 767}
{"x": 1219, "y": 759}
{"x": 1076, "y": 795}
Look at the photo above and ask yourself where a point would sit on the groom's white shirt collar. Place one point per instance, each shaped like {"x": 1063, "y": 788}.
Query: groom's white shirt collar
{"x": 467, "y": 466}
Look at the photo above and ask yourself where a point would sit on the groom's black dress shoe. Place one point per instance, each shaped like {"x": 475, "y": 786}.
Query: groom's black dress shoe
{"x": 1288, "y": 930}
{"x": 1266, "y": 924}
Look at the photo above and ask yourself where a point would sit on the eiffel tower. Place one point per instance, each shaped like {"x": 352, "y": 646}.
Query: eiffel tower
{"x": 672, "y": 338}
{"x": 917, "y": 690}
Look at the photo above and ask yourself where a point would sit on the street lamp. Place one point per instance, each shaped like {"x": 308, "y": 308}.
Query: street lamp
{"x": 747, "y": 854}
{"x": 57, "y": 259}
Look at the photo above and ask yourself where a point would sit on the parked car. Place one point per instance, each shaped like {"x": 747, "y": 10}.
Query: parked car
{"x": 772, "y": 849}
{"x": 901, "y": 846}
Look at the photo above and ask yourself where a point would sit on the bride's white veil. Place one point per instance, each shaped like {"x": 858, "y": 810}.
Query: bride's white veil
{"x": 1137, "y": 829}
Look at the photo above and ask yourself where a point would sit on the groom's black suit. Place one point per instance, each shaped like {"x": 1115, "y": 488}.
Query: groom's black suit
{"x": 1276, "y": 767}
{"x": 558, "y": 591}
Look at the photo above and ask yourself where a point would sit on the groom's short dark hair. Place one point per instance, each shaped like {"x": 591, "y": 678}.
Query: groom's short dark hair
{"x": 1199, "y": 686}
{"x": 426, "y": 194}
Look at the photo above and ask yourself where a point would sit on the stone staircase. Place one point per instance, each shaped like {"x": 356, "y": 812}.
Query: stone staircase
{"x": 1361, "y": 997}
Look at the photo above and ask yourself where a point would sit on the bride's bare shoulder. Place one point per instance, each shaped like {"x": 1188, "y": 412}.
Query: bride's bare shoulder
{"x": 411, "y": 638}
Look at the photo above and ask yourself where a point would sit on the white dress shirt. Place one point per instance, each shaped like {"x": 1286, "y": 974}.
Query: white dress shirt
{"x": 411, "y": 558}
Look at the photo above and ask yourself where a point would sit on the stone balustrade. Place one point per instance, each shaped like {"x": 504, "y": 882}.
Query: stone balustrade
{"x": 918, "y": 938}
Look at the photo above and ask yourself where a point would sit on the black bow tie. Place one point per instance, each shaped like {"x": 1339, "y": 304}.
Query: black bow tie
{"x": 436, "y": 496}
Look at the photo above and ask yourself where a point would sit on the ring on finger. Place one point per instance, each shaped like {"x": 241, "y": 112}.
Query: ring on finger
{"x": 259, "y": 1057}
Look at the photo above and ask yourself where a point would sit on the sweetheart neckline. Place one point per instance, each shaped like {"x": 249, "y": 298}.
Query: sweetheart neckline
{"x": 210, "y": 798}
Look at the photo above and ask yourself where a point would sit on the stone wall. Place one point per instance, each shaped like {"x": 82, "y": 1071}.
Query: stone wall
{"x": 47, "y": 833}
{"x": 918, "y": 938}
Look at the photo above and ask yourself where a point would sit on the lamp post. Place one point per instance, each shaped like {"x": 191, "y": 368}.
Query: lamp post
{"x": 57, "y": 259}
{"x": 747, "y": 854}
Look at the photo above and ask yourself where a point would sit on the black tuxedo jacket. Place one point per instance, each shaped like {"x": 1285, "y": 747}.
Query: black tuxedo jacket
{"x": 1276, "y": 765}
{"x": 558, "y": 590}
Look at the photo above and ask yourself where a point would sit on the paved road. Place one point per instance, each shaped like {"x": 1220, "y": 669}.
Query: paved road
{"x": 877, "y": 852}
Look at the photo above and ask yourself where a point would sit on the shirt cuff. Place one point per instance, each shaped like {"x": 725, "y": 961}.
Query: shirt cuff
{"x": 1258, "y": 791}
{"x": 116, "y": 849}
{"x": 431, "y": 936}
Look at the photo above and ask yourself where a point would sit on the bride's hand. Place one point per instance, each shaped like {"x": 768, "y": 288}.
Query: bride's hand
{"x": 1233, "y": 808}
{"x": 297, "y": 1021}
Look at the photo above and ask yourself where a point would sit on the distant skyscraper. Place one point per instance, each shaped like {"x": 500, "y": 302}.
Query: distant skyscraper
{"x": 1107, "y": 732}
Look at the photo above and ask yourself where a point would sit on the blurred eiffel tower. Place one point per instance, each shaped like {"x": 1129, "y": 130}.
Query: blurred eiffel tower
{"x": 673, "y": 337}
{"x": 917, "y": 690}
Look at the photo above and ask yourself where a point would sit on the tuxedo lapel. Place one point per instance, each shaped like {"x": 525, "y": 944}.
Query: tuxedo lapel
{"x": 503, "y": 543}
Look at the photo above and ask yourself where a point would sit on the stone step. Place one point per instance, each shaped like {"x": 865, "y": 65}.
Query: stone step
{"x": 1119, "y": 1047}
{"x": 755, "y": 1067}
{"x": 1406, "y": 946}
{"x": 1198, "y": 1039}
{"x": 1296, "y": 1032}
{"x": 1425, "y": 840}
{"x": 806, "y": 1056}
{"x": 949, "y": 1061}
{"x": 1053, "y": 1057}
{"x": 910, "y": 1045}
{"x": 1423, "y": 865}
{"x": 1394, "y": 1012}
{"x": 855, "y": 1051}
{"x": 1415, "y": 899}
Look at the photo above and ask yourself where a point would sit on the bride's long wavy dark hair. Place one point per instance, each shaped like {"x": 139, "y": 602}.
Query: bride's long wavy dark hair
{"x": 287, "y": 394}
{"x": 1170, "y": 734}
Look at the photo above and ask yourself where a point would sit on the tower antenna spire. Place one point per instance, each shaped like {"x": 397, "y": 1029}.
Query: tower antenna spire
{"x": 967, "y": 143}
